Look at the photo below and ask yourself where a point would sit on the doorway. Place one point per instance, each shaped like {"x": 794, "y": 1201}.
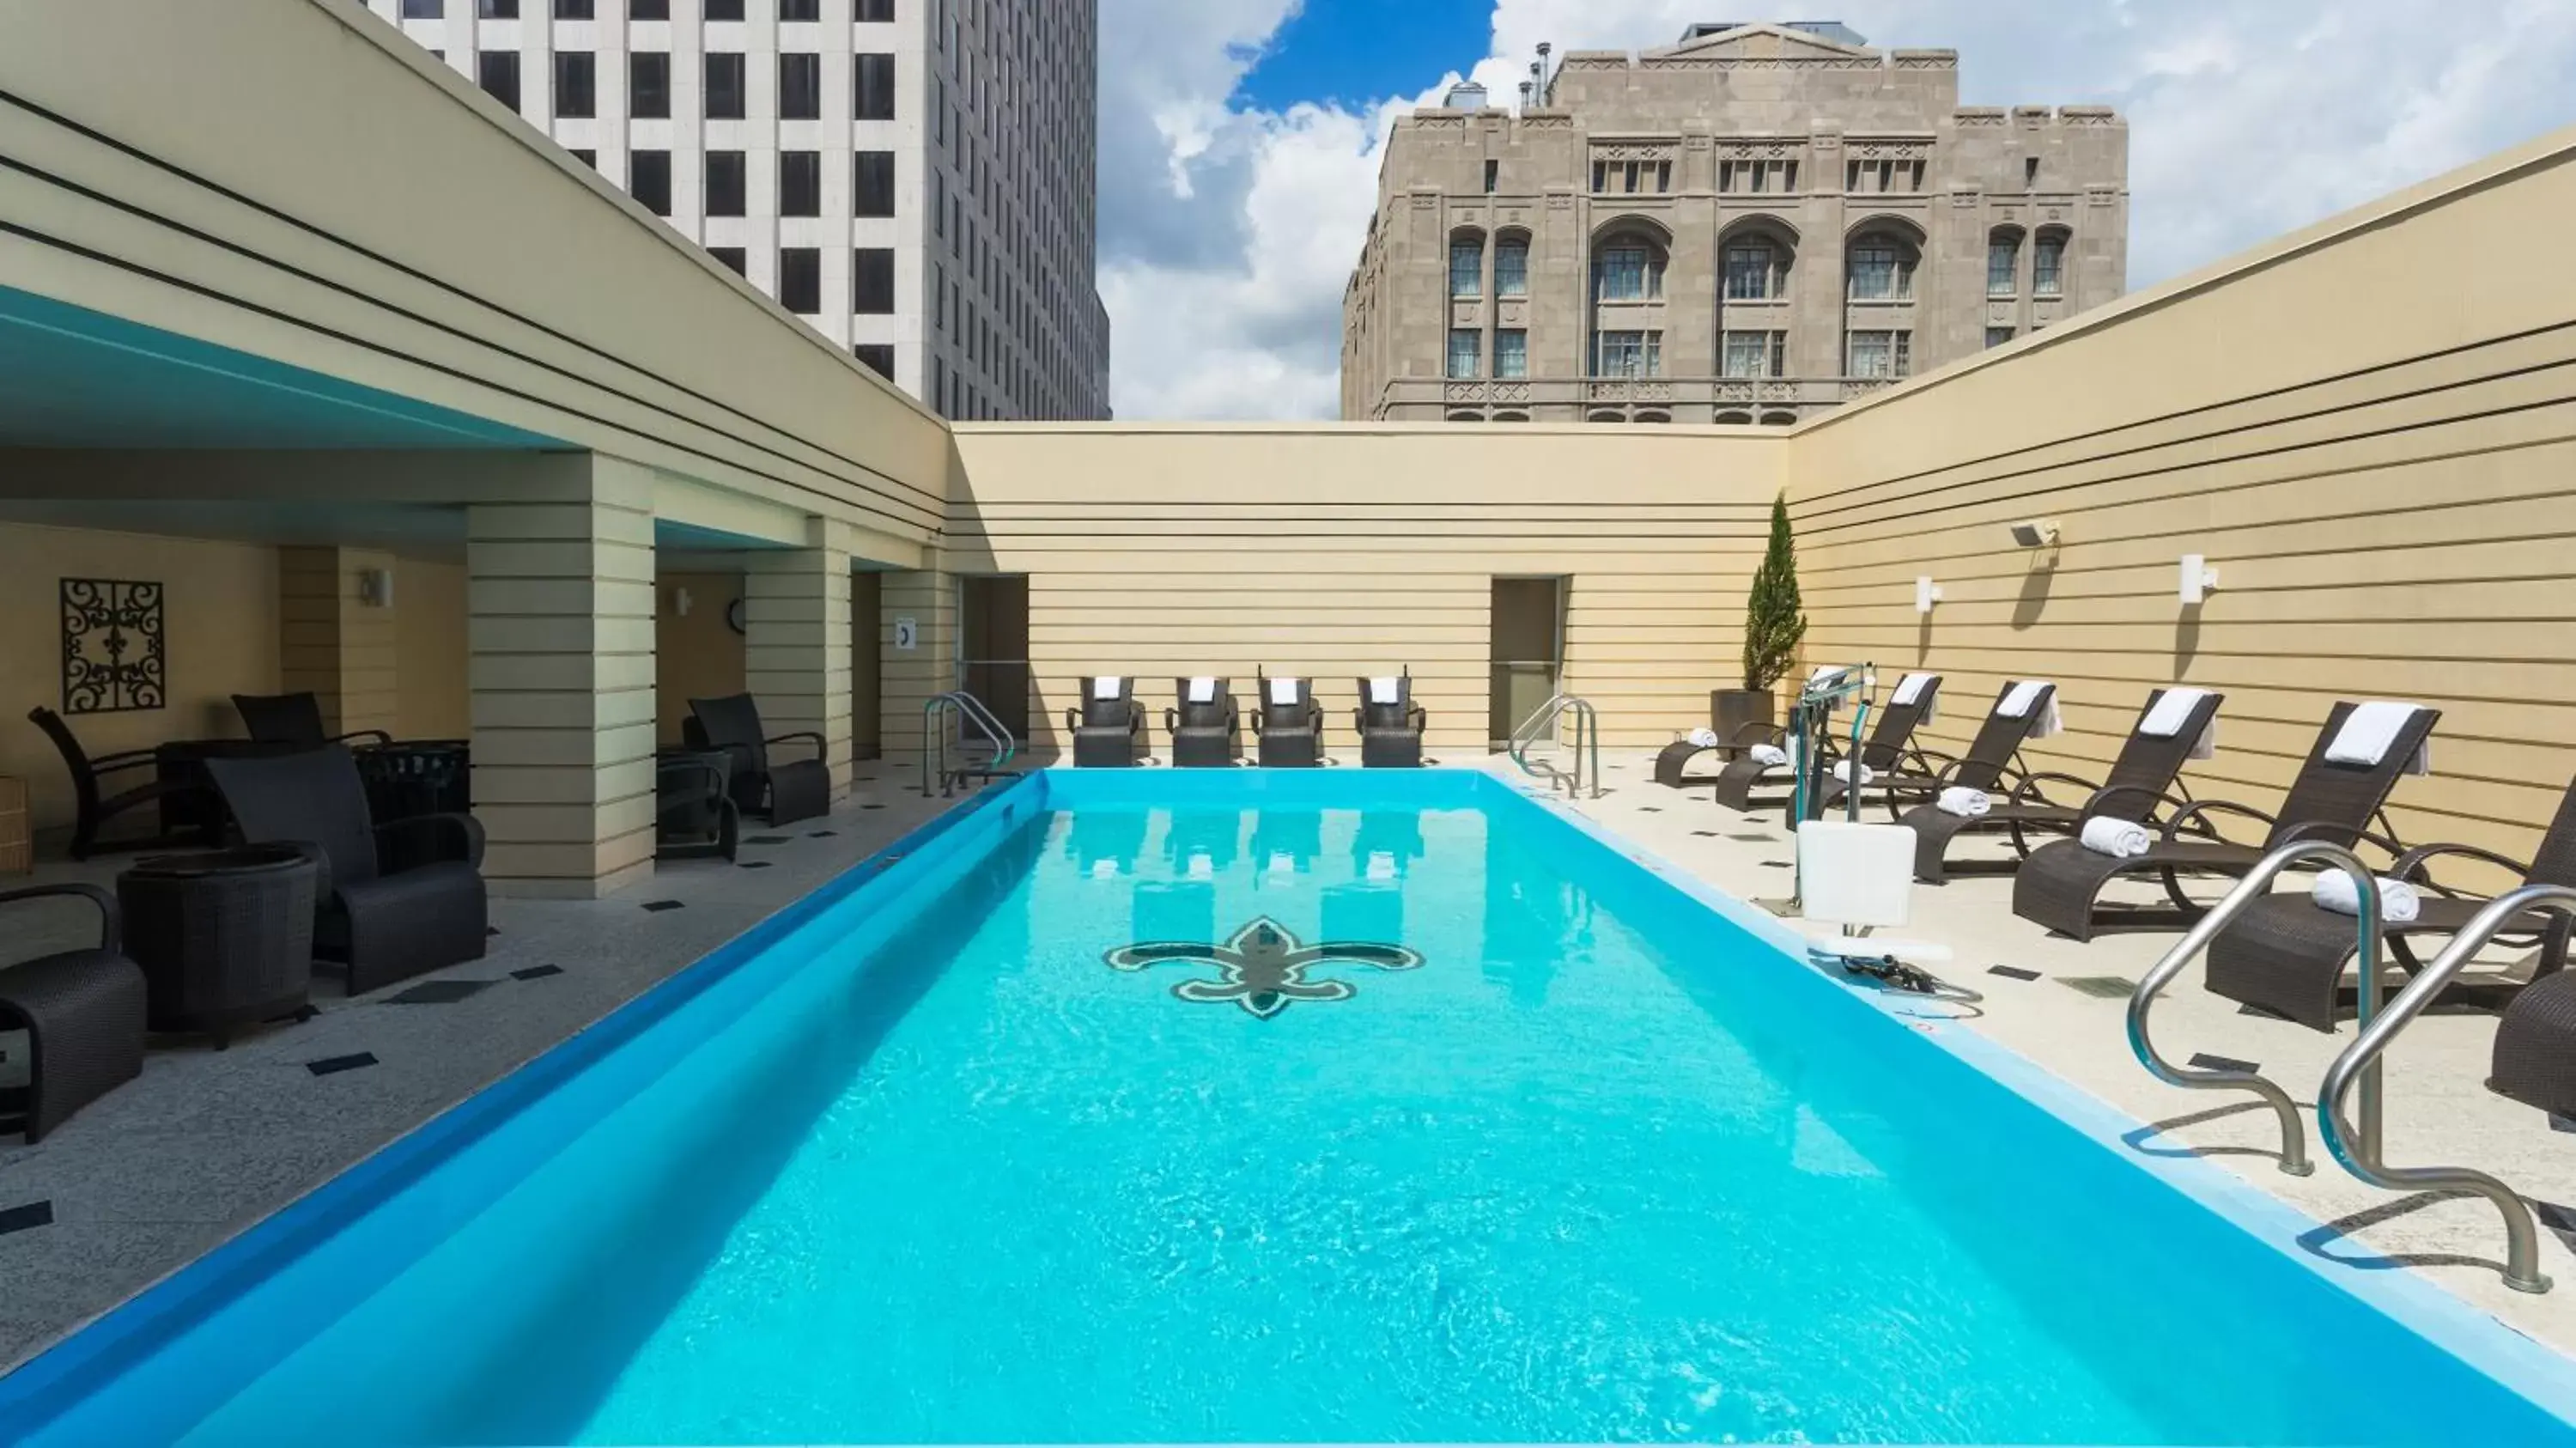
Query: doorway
{"x": 993, "y": 647}
{"x": 867, "y": 666}
{"x": 1527, "y": 649}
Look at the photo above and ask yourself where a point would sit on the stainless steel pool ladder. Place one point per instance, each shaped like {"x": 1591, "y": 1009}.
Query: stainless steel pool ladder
{"x": 2359, "y": 1150}
{"x": 1587, "y": 729}
{"x": 971, "y": 711}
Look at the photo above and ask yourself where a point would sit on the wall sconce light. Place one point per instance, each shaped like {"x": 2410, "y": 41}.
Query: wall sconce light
{"x": 680, "y": 602}
{"x": 2198, "y": 579}
{"x": 376, "y": 587}
{"x": 1926, "y": 594}
{"x": 2035, "y": 533}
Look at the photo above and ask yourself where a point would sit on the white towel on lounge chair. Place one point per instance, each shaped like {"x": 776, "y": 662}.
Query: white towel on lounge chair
{"x": 2174, "y": 711}
{"x": 1203, "y": 690}
{"x": 1384, "y": 691}
{"x": 2120, "y": 839}
{"x": 2026, "y": 693}
{"x": 2370, "y": 729}
{"x": 1107, "y": 689}
{"x": 1769, "y": 756}
{"x": 2399, "y": 903}
{"x": 1909, "y": 690}
{"x": 1283, "y": 692}
{"x": 1843, "y": 772}
{"x": 1703, "y": 738}
{"x": 1966, "y": 803}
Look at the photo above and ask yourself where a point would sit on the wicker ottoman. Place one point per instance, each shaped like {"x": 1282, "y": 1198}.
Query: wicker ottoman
{"x": 225, "y": 939}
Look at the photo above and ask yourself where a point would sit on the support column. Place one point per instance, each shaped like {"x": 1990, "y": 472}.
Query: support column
{"x": 332, "y": 642}
{"x": 927, "y": 598}
{"x": 796, "y": 644}
{"x": 560, "y": 597}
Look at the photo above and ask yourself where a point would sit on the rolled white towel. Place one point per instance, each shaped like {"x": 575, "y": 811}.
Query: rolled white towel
{"x": 1703, "y": 738}
{"x": 1769, "y": 756}
{"x": 1843, "y": 772}
{"x": 2120, "y": 839}
{"x": 1965, "y": 803}
{"x": 2399, "y": 902}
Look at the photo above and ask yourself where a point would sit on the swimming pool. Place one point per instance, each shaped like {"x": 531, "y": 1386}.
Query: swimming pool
{"x": 1156, "y": 1107}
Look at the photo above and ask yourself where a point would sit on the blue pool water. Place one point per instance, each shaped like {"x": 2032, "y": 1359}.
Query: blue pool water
{"x": 1259, "y": 1107}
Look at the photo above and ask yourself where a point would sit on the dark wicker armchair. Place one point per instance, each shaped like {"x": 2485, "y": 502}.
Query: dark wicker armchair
{"x": 1206, "y": 731}
{"x": 95, "y": 807}
{"x": 781, "y": 791}
{"x": 1108, "y": 726}
{"x": 294, "y": 721}
{"x": 83, "y": 1012}
{"x": 1287, "y": 723}
{"x": 1390, "y": 724}
{"x": 394, "y": 900}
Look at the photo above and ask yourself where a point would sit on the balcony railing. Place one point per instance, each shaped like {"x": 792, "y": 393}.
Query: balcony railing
{"x": 1718, "y": 394}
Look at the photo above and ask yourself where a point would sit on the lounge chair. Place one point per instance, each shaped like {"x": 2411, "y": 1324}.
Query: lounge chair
{"x": 1205, "y": 726}
{"x": 2334, "y": 798}
{"x": 294, "y": 721}
{"x": 1288, "y": 724}
{"x": 93, "y": 807}
{"x": 2169, "y": 733}
{"x": 84, "y": 1015}
{"x": 2024, "y": 710}
{"x": 395, "y": 899}
{"x": 1109, "y": 725}
{"x": 1913, "y": 703}
{"x": 779, "y": 791}
{"x": 2286, "y": 954}
{"x": 693, "y": 810}
{"x": 1390, "y": 724}
{"x": 2535, "y": 1046}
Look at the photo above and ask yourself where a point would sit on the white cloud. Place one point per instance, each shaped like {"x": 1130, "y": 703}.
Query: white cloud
{"x": 1228, "y": 232}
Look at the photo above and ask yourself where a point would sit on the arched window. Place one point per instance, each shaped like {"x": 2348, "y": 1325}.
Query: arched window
{"x": 1880, "y": 267}
{"x": 1753, "y": 327}
{"x": 2048, "y": 265}
{"x": 1465, "y": 417}
{"x": 1654, "y": 417}
{"x": 1757, "y": 268}
{"x": 1467, "y": 264}
{"x": 1628, "y": 267}
{"x": 1606, "y": 417}
{"x": 1735, "y": 419}
{"x": 1511, "y": 264}
{"x": 1511, "y": 417}
{"x": 2003, "y": 262}
{"x": 1779, "y": 419}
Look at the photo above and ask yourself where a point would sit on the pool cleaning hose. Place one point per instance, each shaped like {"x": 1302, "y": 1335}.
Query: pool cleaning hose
{"x": 1894, "y": 972}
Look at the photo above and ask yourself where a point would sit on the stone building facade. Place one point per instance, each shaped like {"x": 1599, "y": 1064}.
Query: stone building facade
{"x": 1753, "y": 225}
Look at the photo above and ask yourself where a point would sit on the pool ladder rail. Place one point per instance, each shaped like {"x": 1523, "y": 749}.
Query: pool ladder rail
{"x": 2355, "y": 1144}
{"x": 971, "y": 713}
{"x": 1587, "y": 731}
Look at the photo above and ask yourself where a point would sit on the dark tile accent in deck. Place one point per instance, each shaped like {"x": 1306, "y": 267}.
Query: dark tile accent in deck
{"x": 1705, "y": 834}
{"x": 2105, "y": 987}
{"x": 766, "y": 840}
{"x": 2012, "y": 972}
{"x": 2208, "y": 1062}
{"x": 438, "y": 993}
{"x": 1779, "y": 864}
{"x": 334, "y": 1065}
{"x": 872, "y": 806}
{"x": 20, "y": 1219}
{"x": 822, "y": 834}
{"x": 536, "y": 972}
{"x": 2562, "y": 1123}
{"x": 491, "y": 930}
{"x": 658, "y": 906}
{"x": 1754, "y": 839}
{"x": 755, "y": 864}
{"x": 1650, "y": 809}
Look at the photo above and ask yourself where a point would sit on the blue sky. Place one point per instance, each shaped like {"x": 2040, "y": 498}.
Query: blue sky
{"x": 1238, "y": 138}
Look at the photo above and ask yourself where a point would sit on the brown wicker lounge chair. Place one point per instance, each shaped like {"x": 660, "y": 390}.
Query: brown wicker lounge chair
{"x": 1992, "y": 760}
{"x": 779, "y": 791}
{"x": 1206, "y": 731}
{"x": 1889, "y": 740}
{"x": 2535, "y": 1046}
{"x": 83, "y": 1012}
{"x": 295, "y": 722}
{"x": 2286, "y": 954}
{"x": 1288, "y": 723}
{"x": 395, "y": 899}
{"x": 2060, "y": 885}
{"x": 2140, "y": 779}
{"x": 1108, "y": 726}
{"x": 93, "y": 807}
{"x": 1390, "y": 724}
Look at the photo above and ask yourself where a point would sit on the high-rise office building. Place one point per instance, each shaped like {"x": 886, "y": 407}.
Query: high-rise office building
{"x": 1753, "y": 225}
{"x": 913, "y": 177}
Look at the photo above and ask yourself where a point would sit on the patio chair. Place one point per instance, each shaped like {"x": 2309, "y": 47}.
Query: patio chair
{"x": 1913, "y": 703}
{"x": 1205, "y": 725}
{"x": 779, "y": 791}
{"x": 93, "y": 806}
{"x": 394, "y": 900}
{"x": 2535, "y": 1046}
{"x": 1390, "y": 724}
{"x": 2341, "y": 789}
{"x": 2286, "y": 954}
{"x": 1108, "y": 726}
{"x": 1287, "y": 723}
{"x": 2024, "y": 710}
{"x": 294, "y": 721}
{"x": 693, "y": 810}
{"x": 2170, "y": 732}
{"x": 83, "y": 1012}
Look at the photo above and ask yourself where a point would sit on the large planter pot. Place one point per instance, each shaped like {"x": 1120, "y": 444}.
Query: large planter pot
{"x": 1731, "y": 712}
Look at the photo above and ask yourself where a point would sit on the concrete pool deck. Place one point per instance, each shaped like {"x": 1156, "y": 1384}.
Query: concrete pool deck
{"x": 207, "y": 1143}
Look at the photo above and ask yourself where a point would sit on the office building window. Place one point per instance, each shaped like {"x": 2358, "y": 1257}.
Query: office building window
{"x": 648, "y": 85}
{"x": 1752, "y": 272}
{"x": 576, "y": 84}
{"x": 800, "y": 183}
{"x": 1467, "y": 266}
{"x": 648, "y": 180}
{"x": 2048, "y": 267}
{"x": 800, "y": 9}
{"x": 724, "y": 9}
{"x": 1493, "y": 177}
{"x": 1466, "y": 351}
{"x": 1881, "y": 271}
{"x": 800, "y": 280}
{"x": 872, "y": 188}
{"x": 497, "y": 71}
{"x": 1511, "y": 267}
{"x": 2003, "y": 264}
{"x": 498, "y": 9}
{"x": 587, "y": 157}
{"x": 1757, "y": 177}
{"x": 800, "y": 87}
{"x": 875, "y": 12}
{"x": 1628, "y": 354}
{"x": 735, "y": 259}
{"x": 1754, "y": 354}
{"x": 878, "y": 357}
{"x": 726, "y": 91}
{"x": 648, "y": 9}
{"x": 1627, "y": 274}
{"x": 1632, "y": 177}
{"x": 872, "y": 281}
{"x": 1511, "y": 353}
{"x": 1879, "y": 354}
{"x": 424, "y": 9}
{"x": 1997, "y": 336}
{"x": 576, "y": 10}
{"x": 727, "y": 182}
{"x": 872, "y": 76}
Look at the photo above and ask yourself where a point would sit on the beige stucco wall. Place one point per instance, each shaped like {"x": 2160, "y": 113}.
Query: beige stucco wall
{"x": 220, "y": 612}
{"x": 430, "y": 649}
{"x": 2385, "y": 489}
{"x": 1342, "y": 551}
{"x": 701, "y": 657}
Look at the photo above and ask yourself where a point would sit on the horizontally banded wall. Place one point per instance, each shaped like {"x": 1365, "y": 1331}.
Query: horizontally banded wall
{"x": 2367, "y": 428}
{"x": 1342, "y": 551}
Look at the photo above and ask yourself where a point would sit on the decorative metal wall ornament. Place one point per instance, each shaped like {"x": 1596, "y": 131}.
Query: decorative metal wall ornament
{"x": 1263, "y": 968}
{"x": 113, "y": 655}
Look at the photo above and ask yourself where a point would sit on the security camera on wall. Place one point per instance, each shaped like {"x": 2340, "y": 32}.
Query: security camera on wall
{"x": 2035, "y": 533}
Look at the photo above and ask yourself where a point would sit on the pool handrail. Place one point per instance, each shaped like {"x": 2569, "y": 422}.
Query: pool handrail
{"x": 935, "y": 741}
{"x": 1587, "y": 725}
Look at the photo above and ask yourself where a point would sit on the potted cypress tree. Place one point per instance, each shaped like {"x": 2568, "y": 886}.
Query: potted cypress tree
{"x": 1773, "y": 627}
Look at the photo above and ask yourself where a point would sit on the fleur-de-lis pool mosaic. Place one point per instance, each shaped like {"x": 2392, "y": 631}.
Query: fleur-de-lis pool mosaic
{"x": 1263, "y": 967}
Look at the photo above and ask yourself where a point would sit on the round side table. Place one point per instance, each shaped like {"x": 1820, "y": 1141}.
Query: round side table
{"x": 225, "y": 939}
